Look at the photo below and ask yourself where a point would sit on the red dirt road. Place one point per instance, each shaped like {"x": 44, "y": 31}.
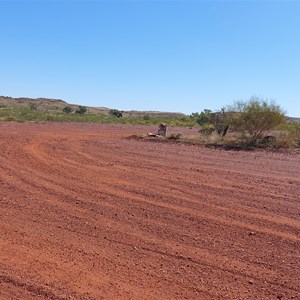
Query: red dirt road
{"x": 86, "y": 213}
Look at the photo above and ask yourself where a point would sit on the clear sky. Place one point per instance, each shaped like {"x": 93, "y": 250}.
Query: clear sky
{"x": 152, "y": 55}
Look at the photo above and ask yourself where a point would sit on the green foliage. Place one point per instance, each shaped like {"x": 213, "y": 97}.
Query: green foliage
{"x": 33, "y": 106}
{"x": 203, "y": 118}
{"x": 68, "y": 109}
{"x": 292, "y": 131}
{"x": 50, "y": 117}
{"x": 25, "y": 114}
{"x": 207, "y": 129}
{"x": 240, "y": 116}
{"x": 117, "y": 113}
{"x": 210, "y": 122}
{"x": 220, "y": 121}
{"x": 255, "y": 117}
{"x": 81, "y": 110}
{"x": 10, "y": 119}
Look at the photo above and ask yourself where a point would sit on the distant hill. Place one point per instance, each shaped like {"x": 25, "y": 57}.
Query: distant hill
{"x": 136, "y": 113}
{"x": 54, "y": 105}
{"x": 293, "y": 120}
{"x": 43, "y": 104}
{"x": 4, "y": 100}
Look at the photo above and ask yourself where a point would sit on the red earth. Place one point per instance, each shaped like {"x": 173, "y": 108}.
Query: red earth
{"x": 88, "y": 213}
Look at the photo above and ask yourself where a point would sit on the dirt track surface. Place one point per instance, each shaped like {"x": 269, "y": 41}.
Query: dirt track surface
{"x": 86, "y": 213}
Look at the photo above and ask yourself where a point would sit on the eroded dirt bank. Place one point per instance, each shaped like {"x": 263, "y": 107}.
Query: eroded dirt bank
{"x": 87, "y": 214}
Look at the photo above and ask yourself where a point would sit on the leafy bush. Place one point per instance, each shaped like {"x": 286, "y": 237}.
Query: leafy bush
{"x": 207, "y": 129}
{"x": 210, "y": 121}
{"x": 203, "y": 118}
{"x": 117, "y": 113}
{"x": 10, "y": 119}
{"x": 283, "y": 139}
{"x": 68, "y": 109}
{"x": 50, "y": 117}
{"x": 81, "y": 110}
{"x": 255, "y": 117}
{"x": 293, "y": 131}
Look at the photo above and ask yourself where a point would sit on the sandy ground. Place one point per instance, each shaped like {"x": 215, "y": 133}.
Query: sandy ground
{"x": 86, "y": 213}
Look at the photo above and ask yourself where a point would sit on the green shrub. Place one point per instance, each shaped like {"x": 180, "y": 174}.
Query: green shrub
{"x": 293, "y": 130}
{"x": 255, "y": 117}
{"x": 68, "y": 109}
{"x": 207, "y": 129}
{"x": 283, "y": 139}
{"x": 81, "y": 110}
{"x": 50, "y": 117}
{"x": 210, "y": 121}
{"x": 116, "y": 113}
{"x": 10, "y": 119}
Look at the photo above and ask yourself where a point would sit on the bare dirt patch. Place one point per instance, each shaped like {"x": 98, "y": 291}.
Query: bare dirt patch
{"x": 86, "y": 213}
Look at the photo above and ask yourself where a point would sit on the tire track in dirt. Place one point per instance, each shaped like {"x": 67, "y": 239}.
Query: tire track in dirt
{"x": 211, "y": 186}
{"x": 157, "y": 221}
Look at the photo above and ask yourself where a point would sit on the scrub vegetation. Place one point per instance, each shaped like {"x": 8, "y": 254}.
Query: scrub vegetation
{"x": 242, "y": 125}
{"x": 249, "y": 124}
{"x": 48, "y": 110}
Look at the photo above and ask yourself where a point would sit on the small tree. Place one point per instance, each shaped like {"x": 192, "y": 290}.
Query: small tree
{"x": 256, "y": 117}
{"x": 81, "y": 110}
{"x": 117, "y": 113}
{"x": 202, "y": 118}
{"x": 68, "y": 109}
{"x": 212, "y": 121}
{"x": 220, "y": 121}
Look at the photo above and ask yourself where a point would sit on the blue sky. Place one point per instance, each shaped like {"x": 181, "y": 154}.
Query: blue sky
{"x": 152, "y": 55}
